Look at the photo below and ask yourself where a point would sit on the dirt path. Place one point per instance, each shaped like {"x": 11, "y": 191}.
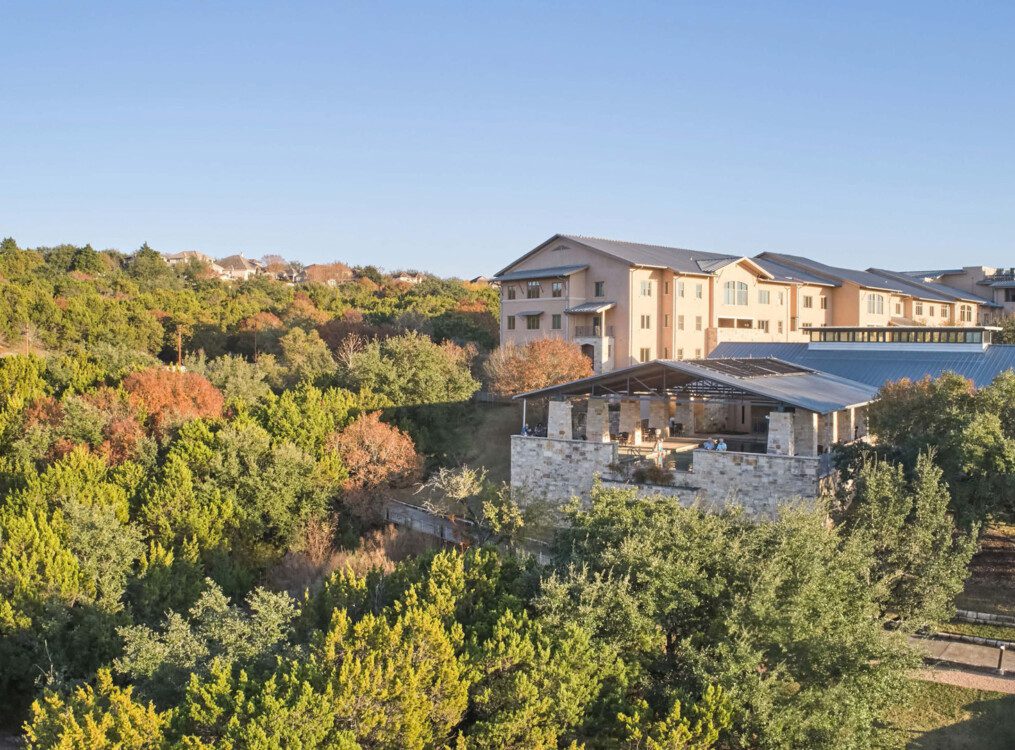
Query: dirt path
{"x": 960, "y": 678}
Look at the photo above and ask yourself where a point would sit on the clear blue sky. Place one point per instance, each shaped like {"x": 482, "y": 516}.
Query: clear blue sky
{"x": 454, "y": 137}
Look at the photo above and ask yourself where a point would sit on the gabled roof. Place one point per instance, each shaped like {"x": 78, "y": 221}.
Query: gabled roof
{"x": 237, "y": 263}
{"x": 830, "y": 273}
{"x": 679, "y": 259}
{"x": 928, "y": 289}
{"x": 783, "y": 272}
{"x": 556, "y": 272}
{"x": 770, "y": 379}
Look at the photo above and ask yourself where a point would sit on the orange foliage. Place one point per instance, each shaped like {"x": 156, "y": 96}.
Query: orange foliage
{"x": 170, "y": 397}
{"x": 376, "y": 454}
{"x": 538, "y": 364}
{"x": 322, "y": 273}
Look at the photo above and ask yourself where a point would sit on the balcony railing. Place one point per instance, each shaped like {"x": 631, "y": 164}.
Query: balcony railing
{"x": 593, "y": 331}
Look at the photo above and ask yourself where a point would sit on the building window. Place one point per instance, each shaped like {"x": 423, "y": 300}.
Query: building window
{"x": 532, "y": 322}
{"x": 533, "y": 289}
{"x": 697, "y": 353}
{"x": 666, "y": 287}
{"x": 918, "y": 308}
{"x": 557, "y": 290}
{"x": 930, "y": 311}
{"x": 781, "y": 298}
{"x": 646, "y": 354}
{"x": 966, "y": 313}
{"x": 600, "y": 289}
{"x": 735, "y": 293}
{"x": 680, "y": 322}
{"x": 680, "y": 289}
{"x": 1009, "y": 295}
{"x": 764, "y": 296}
{"x": 510, "y": 292}
{"x": 808, "y": 301}
{"x": 511, "y": 322}
{"x": 646, "y": 321}
{"x": 780, "y": 326}
{"x": 666, "y": 352}
{"x": 876, "y": 304}
{"x": 697, "y": 291}
{"x": 666, "y": 320}
{"x": 697, "y": 323}
{"x": 555, "y": 322}
{"x": 763, "y": 325}
{"x": 680, "y": 353}
{"x": 898, "y": 308}
{"x": 823, "y": 303}
{"x": 646, "y": 289}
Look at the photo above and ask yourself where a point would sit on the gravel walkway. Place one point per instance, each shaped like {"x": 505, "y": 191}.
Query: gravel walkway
{"x": 967, "y": 679}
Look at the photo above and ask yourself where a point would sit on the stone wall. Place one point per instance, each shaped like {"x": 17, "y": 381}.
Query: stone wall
{"x": 558, "y": 469}
{"x": 760, "y": 482}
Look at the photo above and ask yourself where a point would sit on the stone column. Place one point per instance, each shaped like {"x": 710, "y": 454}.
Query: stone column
{"x": 685, "y": 415}
{"x": 861, "y": 421}
{"x": 597, "y": 421}
{"x": 630, "y": 419}
{"x": 847, "y": 420}
{"x": 805, "y": 432}
{"x": 829, "y": 429}
{"x": 558, "y": 420}
{"x": 658, "y": 414}
{"x": 781, "y": 440}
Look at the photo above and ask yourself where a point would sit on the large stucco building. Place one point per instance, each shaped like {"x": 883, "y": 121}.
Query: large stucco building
{"x": 626, "y": 302}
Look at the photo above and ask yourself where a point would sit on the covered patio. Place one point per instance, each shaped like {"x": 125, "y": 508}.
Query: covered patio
{"x": 764, "y": 410}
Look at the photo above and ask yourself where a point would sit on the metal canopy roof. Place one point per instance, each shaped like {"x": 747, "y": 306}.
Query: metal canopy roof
{"x": 590, "y": 307}
{"x": 556, "y": 272}
{"x": 766, "y": 380}
{"x": 878, "y": 367}
{"x": 529, "y": 314}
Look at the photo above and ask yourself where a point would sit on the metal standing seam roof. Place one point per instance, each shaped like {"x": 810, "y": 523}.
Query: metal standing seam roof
{"x": 660, "y": 256}
{"x": 529, "y": 314}
{"x": 769, "y": 378}
{"x": 782, "y": 272}
{"x": 541, "y": 273}
{"x": 590, "y": 307}
{"x": 925, "y": 289}
{"x": 863, "y": 278}
{"x": 875, "y": 367}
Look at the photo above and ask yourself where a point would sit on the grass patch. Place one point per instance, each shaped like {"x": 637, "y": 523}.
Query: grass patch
{"x": 945, "y": 717}
{"x": 980, "y": 630}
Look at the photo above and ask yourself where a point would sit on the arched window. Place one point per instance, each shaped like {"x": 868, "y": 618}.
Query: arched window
{"x": 735, "y": 293}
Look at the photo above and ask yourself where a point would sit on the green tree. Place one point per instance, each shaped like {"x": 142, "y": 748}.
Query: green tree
{"x": 160, "y": 662}
{"x": 919, "y": 559}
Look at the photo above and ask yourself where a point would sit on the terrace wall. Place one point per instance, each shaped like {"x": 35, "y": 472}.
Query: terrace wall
{"x": 558, "y": 469}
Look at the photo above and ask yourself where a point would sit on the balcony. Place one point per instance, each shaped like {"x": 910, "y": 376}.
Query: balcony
{"x": 593, "y": 332}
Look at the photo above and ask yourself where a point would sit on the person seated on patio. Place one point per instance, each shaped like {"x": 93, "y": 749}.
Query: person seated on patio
{"x": 708, "y": 445}
{"x": 721, "y": 445}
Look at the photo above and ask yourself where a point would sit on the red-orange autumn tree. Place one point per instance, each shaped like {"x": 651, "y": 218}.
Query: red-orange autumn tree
{"x": 377, "y": 457}
{"x": 538, "y": 364}
{"x": 170, "y": 397}
{"x": 376, "y": 454}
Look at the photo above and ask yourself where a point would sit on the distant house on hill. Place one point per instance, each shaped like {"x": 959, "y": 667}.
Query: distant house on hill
{"x": 331, "y": 274}
{"x": 186, "y": 256}
{"x": 409, "y": 277}
{"x": 236, "y": 267}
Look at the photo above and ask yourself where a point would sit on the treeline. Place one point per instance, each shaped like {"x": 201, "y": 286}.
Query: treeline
{"x": 69, "y": 297}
